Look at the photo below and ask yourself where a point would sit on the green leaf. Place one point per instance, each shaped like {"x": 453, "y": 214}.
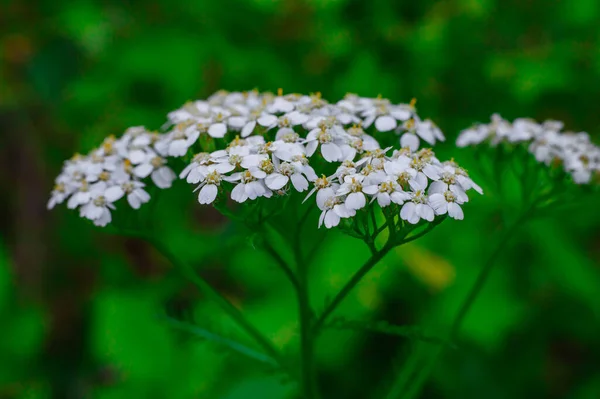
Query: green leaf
{"x": 416, "y": 333}
{"x": 213, "y": 337}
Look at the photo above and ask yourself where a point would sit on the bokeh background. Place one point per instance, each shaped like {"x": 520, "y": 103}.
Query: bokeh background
{"x": 80, "y": 310}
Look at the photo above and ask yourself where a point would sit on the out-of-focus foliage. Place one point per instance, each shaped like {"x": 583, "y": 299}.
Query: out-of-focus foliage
{"x": 82, "y": 313}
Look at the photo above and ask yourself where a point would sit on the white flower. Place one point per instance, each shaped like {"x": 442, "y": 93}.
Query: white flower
{"x": 447, "y": 202}
{"x": 136, "y": 195}
{"x": 179, "y": 140}
{"x": 325, "y": 137}
{"x": 333, "y": 208}
{"x": 249, "y": 187}
{"x": 196, "y": 170}
{"x": 99, "y": 206}
{"x": 58, "y": 195}
{"x": 415, "y": 129}
{"x": 389, "y": 191}
{"x": 209, "y": 186}
{"x": 385, "y": 115}
{"x": 418, "y": 207}
{"x": 155, "y": 166}
{"x": 473, "y": 136}
{"x": 246, "y": 123}
{"x": 218, "y": 122}
{"x": 354, "y": 191}
{"x": 283, "y": 173}
{"x": 286, "y": 121}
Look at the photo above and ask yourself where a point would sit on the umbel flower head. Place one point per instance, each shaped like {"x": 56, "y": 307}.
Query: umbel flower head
{"x": 579, "y": 157}
{"x": 251, "y": 145}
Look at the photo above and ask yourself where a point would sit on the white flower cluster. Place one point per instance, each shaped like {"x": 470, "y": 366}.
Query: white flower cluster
{"x": 418, "y": 182}
{"x": 259, "y": 144}
{"x": 575, "y": 151}
{"x": 93, "y": 183}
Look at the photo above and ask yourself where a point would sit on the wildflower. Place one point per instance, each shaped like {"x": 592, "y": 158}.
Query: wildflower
{"x": 418, "y": 207}
{"x": 385, "y": 115}
{"x": 449, "y": 202}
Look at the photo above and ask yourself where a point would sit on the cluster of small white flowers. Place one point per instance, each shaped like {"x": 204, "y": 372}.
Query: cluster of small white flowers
{"x": 423, "y": 186}
{"x": 93, "y": 183}
{"x": 261, "y": 144}
{"x": 575, "y": 151}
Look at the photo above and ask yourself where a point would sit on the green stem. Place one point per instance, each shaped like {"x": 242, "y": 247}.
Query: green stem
{"x": 392, "y": 242}
{"x": 417, "y": 384}
{"x": 306, "y": 337}
{"x": 364, "y": 269}
{"x": 283, "y": 265}
{"x": 218, "y": 299}
{"x": 305, "y": 313}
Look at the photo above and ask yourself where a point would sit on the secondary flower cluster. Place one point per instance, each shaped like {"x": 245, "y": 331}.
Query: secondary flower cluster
{"x": 418, "y": 182}
{"x": 574, "y": 151}
{"x": 92, "y": 183}
{"x": 261, "y": 144}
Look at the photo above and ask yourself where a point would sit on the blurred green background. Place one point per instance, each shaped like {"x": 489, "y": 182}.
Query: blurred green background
{"x": 80, "y": 310}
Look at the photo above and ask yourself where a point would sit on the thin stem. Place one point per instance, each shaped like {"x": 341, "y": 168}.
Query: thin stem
{"x": 408, "y": 370}
{"x": 422, "y": 376}
{"x": 305, "y": 313}
{"x": 364, "y": 269}
{"x": 306, "y": 336}
{"x": 283, "y": 265}
{"x": 392, "y": 242}
{"x": 218, "y": 299}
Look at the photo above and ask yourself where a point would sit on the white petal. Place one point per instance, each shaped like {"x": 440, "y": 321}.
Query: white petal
{"x": 383, "y": 199}
{"x": 331, "y": 219}
{"x": 323, "y": 195}
{"x": 410, "y": 140}
{"x": 114, "y": 193}
{"x": 163, "y": 177}
{"x": 371, "y": 190}
{"x": 431, "y": 171}
{"x": 425, "y": 212}
{"x": 331, "y": 152}
{"x": 259, "y": 174}
{"x": 419, "y": 182}
{"x": 437, "y": 187}
{"x": 398, "y": 197}
{"x": 143, "y": 170}
{"x": 455, "y": 211}
{"x": 343, "y": 211}
{"x": 299, "y": 182}
{"x": 218, "y": 130}
{"x": 438, "y": 203}
{"x": 238, "y": 193}
{"x": 400, "y": 113}
{"x": 237, "y": 122}
{"x": 208, "y": 194}
{"x": 311, "y": 147}
{"x": 178, "y": 148}
{"x": 195, "y": 175}
{"x": 275, "y": 181}
{"x": 385, "y": 123}
{"x": 254, "y": 190}
{"x": 267, "y": 120}
{"x": 322, "y": 218}
{"x": 253, "y": 160}
{"x": 408, "y": 211}
{"x": 136, "y": 156}
{"x": 356, "y": 201}
{"x": 248, "y": 129}
{"x": 309, "y": 172}
{"x": 134, "y": 201}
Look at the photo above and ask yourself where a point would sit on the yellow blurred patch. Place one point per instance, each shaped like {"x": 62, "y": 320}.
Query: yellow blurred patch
{"x": 285, "y": 334}
{"x": 434, "y": 271}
